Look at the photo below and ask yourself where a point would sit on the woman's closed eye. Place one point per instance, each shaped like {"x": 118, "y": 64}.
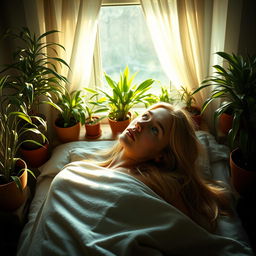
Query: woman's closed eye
{"x": 145, "y": 116}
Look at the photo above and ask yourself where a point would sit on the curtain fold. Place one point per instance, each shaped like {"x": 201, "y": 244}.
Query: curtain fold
{"x": 186, "y": 34}
{"x": 77, "y": 23}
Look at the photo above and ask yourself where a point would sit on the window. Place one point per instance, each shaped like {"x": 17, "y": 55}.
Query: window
{"x": 124, "y": 40}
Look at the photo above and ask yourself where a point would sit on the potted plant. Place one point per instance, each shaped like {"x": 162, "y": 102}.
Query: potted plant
{"x": 13, "y": 170}
{"x": 34, "y": 75}
{"x": 72, "y": 113}
{"x": 186, "y": 96}
{"x": 93, "y": 106}
{"x": 168, "y": 95}
{"x": 124, "y": 95}
{"x": 237, "y": 84}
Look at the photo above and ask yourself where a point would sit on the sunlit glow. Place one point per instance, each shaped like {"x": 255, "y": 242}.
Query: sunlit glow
{"x": 92, "y": 178}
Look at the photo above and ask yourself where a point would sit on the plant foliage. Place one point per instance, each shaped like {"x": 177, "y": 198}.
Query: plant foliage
{"x": 71, "y": 107}
{"x": 168, "y": 95}
{"x": 237, "y": 85}
{"x": 125, "y": 95}
{"x": 34, "y": 70}
{"x": 14, "y": 122}
{"x": 93, "y": 106}
{"x": 186, "y": 96}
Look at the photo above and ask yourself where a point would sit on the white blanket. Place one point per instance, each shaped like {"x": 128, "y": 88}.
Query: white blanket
{"x": 93, "y": 211}
{"x": 98, "y": 212}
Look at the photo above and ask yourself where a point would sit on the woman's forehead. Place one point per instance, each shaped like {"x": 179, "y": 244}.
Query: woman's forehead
{"x": 160, "y": 113}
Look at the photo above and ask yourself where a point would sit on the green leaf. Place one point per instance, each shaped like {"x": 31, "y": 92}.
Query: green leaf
{"x": 16, "y": 179}
{"x": 46, "y": 34}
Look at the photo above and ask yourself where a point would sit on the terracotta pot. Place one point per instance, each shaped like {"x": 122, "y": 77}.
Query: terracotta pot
{"x": 35, "y": 157}
{"x": 242, "y": 179}
{"x": 68, "y": 134}
{"x": 11, "y": 197}
{"x": 225, "y": 123}
{"x": 93, "y": 131}
{"x": 118, "y": 126}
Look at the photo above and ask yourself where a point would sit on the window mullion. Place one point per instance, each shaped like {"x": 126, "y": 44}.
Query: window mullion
{"x": 97, "y": 63}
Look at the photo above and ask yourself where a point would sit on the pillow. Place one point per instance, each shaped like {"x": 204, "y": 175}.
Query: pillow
{"x": 63, "y": 155}
{"x": 80, "y": 150}
{"x": 78, "y": 154}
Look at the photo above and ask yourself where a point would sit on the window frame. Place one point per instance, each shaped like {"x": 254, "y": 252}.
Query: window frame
{"x": 120, "y": 2}
{"x": 97, "y": 80}
{"x": 97, "y": 72}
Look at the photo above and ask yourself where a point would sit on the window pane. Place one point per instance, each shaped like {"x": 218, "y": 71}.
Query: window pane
{"x": 125, "y": 40}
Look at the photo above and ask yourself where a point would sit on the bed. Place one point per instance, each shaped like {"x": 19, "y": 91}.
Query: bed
{"x": 90, "y": 212}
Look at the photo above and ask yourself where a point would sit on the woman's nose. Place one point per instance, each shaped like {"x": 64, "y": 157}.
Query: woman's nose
{"x": 138, "y": 126}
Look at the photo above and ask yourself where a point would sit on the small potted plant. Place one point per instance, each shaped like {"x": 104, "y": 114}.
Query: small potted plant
{"x": 125, "y": 95}
{"x": 13, "y": 170}
{"x": 168, "y": 95}
{"x": 34, "y": 75}
{"x": 237, "y": 85}
{"x": 93, "y": 106}
{"x": 72, "y": 113}
{"x": 186, "y": 96}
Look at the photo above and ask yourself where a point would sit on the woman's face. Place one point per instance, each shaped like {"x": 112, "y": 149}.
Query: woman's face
{"x": 147, "y": 135}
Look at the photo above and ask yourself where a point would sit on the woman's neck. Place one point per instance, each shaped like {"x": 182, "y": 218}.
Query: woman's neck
{"x": 122, "y": 161}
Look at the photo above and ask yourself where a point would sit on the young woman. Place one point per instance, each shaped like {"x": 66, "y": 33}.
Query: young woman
{"x": 160, "y": 148}
{"x": 133, "y": 202}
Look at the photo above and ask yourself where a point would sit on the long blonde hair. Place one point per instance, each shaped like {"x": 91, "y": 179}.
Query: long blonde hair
{"x": 178, "y": 172}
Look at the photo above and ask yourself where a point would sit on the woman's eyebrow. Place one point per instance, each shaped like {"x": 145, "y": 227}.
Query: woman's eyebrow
{"x": 157, "y": 122}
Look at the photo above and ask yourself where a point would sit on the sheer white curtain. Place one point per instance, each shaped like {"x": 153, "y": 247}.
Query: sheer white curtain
{"x": 77, "y": 23}
{"x": 186, "y": 34}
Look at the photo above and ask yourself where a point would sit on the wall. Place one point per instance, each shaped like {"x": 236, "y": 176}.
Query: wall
{"x": 12, "y": 16}
{"x": 247, "y": 37}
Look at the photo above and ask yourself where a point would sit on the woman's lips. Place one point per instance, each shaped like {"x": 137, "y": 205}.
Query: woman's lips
{"x": 130, "y": 133}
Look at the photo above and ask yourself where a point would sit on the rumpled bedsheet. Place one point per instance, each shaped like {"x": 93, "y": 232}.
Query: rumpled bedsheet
{"x": 93, "y": 211}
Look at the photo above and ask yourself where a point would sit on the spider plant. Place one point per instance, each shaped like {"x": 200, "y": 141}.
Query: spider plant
{"x": 168, "y": 95}
{"x": 34, "y": 70}
{"x": 186, "y": 96}
{"x": 14, "y": 122}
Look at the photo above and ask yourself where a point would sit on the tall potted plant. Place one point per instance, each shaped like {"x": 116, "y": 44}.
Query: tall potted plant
{"x": 71, "y": 109}
{"x": 34, "y": 75}
{"x": 13, "y": 170}
{"x": 237, "y": 85}
{"x": 125, "y": 95}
